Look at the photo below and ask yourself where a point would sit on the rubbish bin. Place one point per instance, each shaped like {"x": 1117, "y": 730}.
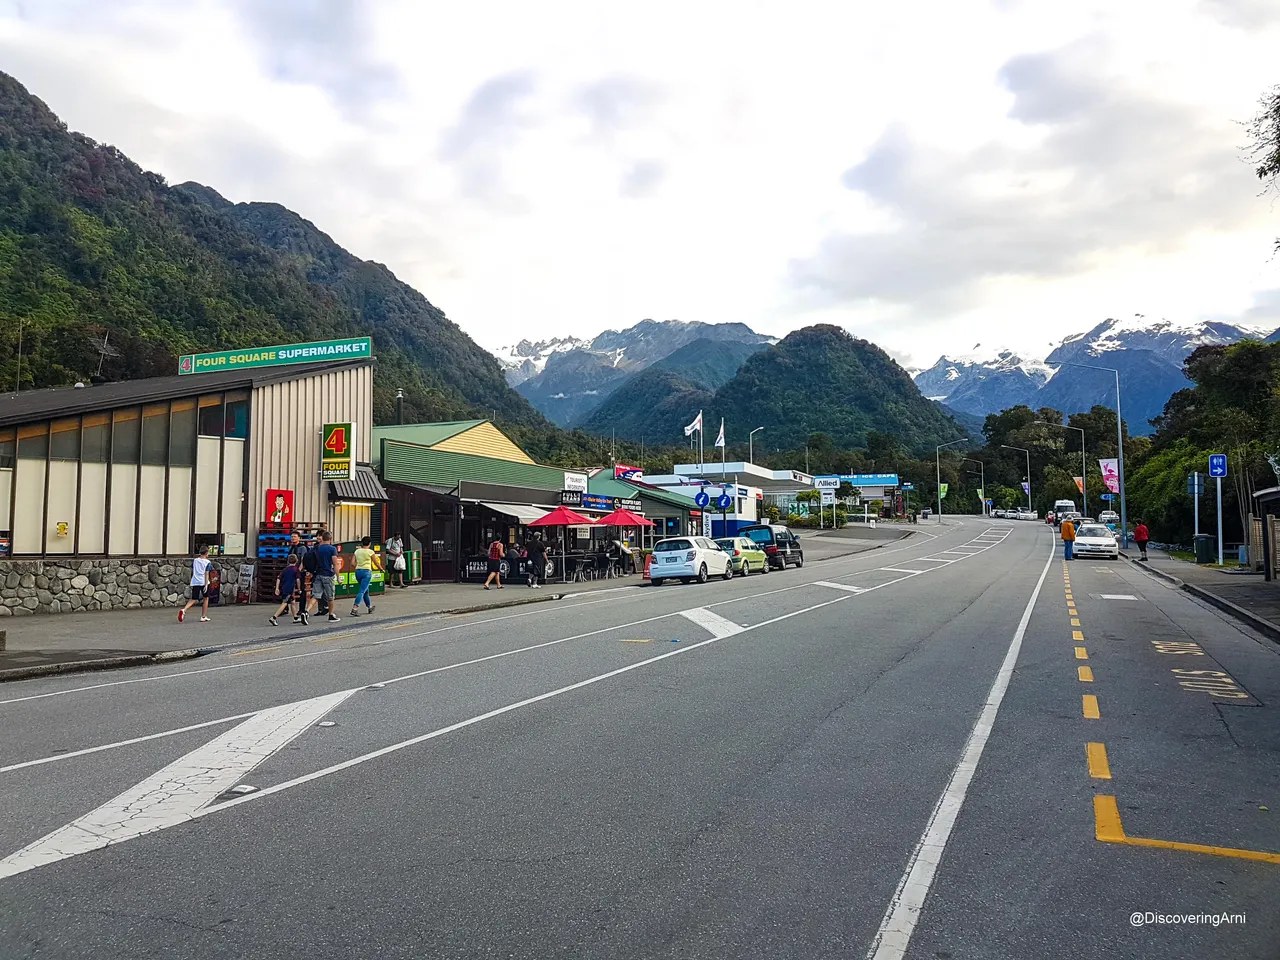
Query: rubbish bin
{"x": 1205, "y": 552}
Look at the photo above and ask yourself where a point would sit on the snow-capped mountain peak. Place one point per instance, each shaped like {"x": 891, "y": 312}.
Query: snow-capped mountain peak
{"x": 526, "y": 359}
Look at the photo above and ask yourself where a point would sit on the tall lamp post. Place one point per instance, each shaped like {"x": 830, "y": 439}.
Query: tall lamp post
{"x": 751, "y": 445}
{"x": 983, "y": 468}
{"x": 1028, "y": 453}
{"x": 1084, "y": 470}
{"x": 938, "y": 470}
{"x": 1124, "y": 514}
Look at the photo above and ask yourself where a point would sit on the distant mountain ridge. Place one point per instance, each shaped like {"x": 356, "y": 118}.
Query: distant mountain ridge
{"x": 1148, "y": 354}
{"x": 567, "y": 379}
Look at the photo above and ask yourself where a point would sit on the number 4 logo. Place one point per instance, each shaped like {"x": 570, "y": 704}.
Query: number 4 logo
{"x": 336, "y": 441}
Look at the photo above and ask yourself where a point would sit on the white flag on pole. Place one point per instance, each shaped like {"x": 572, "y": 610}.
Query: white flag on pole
{"x": 696, "y": 425}
{"x": 720, "y": 438}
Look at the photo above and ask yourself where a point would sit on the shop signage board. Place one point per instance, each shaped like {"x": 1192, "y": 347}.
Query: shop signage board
{"x": 826, "y": 483}
{"x": 623, "y": 472}
{"x": 571, "y": 498}
{"x": 337, "y": 451}
{"x": 350, "y": 348}
{"x": 575, "y": 481}
{"x": 828, "y": 498}
{"x": 594, "y": 501}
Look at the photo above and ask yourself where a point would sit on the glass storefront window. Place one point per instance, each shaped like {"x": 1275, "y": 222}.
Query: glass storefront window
{"x": 33, "y": 441}
{"x": 126, "y": 435}
{"x": 64, "y": 439}
{"x": 8, "y": 448}
{"x": 95, "y": 437}
{"x": 210, "y": 423}
{"x": 155, "y": 434}
{"x": 236, "y": 420}
{"x": 182, "y": 435}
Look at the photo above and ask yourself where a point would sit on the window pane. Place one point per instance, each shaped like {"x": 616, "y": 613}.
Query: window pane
{"x": 182, "y": 437}
{"x": 8, "y": 449}
{"x": 211, "y": 416}
{"x": 95, "y": 437}
{"x": 124, "y": 436}
{"x": 237, "y": 415}
{"x": 64, "y": 440}
{"x": 155, "y": 433}
{"x": 33, "y": 441}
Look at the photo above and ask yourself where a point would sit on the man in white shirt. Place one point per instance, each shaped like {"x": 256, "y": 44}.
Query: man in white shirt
{"x": 396, "y": 561}
{"x": 199, "y": 586}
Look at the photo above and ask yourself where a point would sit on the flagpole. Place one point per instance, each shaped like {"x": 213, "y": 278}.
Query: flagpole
{"x": 702, "y": 456}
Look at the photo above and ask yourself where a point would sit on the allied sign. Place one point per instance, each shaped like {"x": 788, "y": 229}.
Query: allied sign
{"x": 1217, "y": 464}
{"x": 337, "y": 451}
{"x": 826, "y": 483}
{"x": 352, "y": 348}
{"x": 575, "y": 481}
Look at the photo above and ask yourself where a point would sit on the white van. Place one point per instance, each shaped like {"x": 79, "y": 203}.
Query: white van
{"x": 1063, "y": 506}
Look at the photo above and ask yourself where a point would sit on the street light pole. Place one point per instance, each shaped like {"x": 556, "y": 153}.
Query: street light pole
{"x": 983, "y": 468}
{"x": 937, "y": 457}
{"x": 1084, "y": 470}
{"x": 1028, "y": 453}
{"x": 751, "y": 446}
{"x": 1124, "y": 513}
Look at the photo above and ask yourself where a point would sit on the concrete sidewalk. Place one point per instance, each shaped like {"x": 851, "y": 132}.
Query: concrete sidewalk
{"x": 68, "y": 642}
{"x": 1243, "y": 594}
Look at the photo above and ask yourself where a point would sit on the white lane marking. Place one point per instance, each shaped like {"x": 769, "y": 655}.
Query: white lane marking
{"x": 1116, "y": 596}
{"x": 900, "y": 570}
{"x": 123, "y": 743}
{"x": 908, "y": 900}
{"x": 179, "y": 791}
{"x": 713, "y": 623}
{"x": 840, "y": 586}
{"x": 930, "y": 560}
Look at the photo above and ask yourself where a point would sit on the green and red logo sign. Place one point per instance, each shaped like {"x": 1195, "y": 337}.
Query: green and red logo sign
{"x": 337, "y": 451}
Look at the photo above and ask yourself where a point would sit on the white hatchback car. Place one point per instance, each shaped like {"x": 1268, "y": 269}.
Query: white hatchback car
{"x": 1095, "y": 540}
{"x": 689, "y": 559}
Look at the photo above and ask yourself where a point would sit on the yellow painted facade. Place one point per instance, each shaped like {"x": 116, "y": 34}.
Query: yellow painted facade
{"x": 484, "y": 440}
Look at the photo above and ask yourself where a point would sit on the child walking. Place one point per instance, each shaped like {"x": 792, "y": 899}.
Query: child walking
{"x": 286, "y": 585}
{"x": 199, "y": 586}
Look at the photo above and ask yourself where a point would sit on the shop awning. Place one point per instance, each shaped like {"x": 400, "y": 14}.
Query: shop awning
{"x": 524, "y": 512}
{"x": 364, "y": 487}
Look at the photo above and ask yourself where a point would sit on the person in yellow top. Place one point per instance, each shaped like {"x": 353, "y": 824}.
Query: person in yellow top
{"x": 366, "y": 562}
{"x": 1068, "y": 539}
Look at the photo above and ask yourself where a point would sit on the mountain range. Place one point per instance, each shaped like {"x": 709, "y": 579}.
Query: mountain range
{"x": 1147, "y": 353}
{"x": 567, "y": 378}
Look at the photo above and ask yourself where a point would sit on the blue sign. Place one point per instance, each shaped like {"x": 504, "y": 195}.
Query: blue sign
{"x": 1108, "y": 496}
{"x": 701, "y": 499}
{"x": 1217, "y": 464}
{"x": 912, "y": 486}
{"x": 724, "y": 501}
{"x": 593, "y": 501}
{"x": 862, "y": 479}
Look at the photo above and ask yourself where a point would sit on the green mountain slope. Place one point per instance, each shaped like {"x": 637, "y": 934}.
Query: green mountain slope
{"x": 709, "y": 363}
{"x": 92, "y": 246}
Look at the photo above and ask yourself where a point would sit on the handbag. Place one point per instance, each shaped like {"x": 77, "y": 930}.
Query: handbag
{"x": 399, "y": 564}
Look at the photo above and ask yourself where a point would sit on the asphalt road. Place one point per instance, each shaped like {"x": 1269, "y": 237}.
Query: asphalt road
{"x": 879, "y": 755}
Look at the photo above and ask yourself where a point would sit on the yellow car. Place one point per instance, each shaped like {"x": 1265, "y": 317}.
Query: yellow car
{"x": 744, "y": 555}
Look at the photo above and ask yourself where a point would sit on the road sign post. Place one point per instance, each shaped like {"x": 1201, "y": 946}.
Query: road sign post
{"x": 1195, "y": 487}
{"x": 1218, "y": 470}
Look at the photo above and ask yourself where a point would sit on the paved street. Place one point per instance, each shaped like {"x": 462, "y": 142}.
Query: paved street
{"x": 955, "y": 745}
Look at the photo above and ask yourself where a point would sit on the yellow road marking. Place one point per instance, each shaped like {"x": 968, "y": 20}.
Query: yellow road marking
{"x": 1069, "y": 596}
{"x": 1085, "y": 674}
{"x": 1075, "y": 621}
{"x": 1108, "y": 829}
{"x": 245, "y": 653}
{"x": 1099, "y": 769}
{"x": 1089, "y": 704}
{"x": 1077, "y": 634}
{"x": 1082, "y": 653}
{"x": 332, "y": 636}
{"x": 636, "y": 641}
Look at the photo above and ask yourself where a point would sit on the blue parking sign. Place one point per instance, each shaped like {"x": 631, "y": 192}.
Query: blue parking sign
{"x": 1217, "y": 464}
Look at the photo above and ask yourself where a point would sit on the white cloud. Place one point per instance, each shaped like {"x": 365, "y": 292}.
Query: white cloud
{"x": 1007, "y": 172}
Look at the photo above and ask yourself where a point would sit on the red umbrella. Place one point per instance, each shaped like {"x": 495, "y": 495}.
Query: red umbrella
{"x": 624, "y": 518}
{"x": 562, "y": 517}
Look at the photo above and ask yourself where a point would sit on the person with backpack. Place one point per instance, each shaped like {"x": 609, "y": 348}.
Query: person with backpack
{"x": 496, "y": 554}
{"x": 1068, "y": 534}
{"x": 537, "y": 562}
{"x": 286, "y": 588}
{"x": 325, "y": 558}
{"x": 1141, "y": 535}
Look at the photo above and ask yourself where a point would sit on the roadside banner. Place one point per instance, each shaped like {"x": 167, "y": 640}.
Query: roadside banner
{"x": 1026, "y": 487}
{"x": 1079, "y": 483}
{"x": 942, "y": 491}
{"x": 980, "y": 496}
{"x": 1110, "y": 473}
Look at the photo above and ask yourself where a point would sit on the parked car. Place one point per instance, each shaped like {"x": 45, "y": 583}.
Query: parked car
{"x": 744, "y": 555}
{"x": 1108, "y": 516}
{"x": 1095, "y": 540}
{"x": 780, "y": 545}
{"x": 1026, "y": 515}
{"x": 689, "y": 559}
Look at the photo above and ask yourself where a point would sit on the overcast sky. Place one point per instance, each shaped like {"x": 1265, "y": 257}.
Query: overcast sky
{"x": 927, "y": 175}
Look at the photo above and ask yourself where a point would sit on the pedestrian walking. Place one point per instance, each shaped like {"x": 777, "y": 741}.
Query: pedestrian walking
{"x": 286, "y": 590}
{"x": 537, "y": 563}
{"x": 326, "y": 563}
{"x": 199, "y": 586}
{"x": 1068, "y": 533}
{"x": 496, "y": 552}
{"x": 1141, "y": 535}
{"x": 514, "y": 557}
{"x": 366, "y": 562}
{"x": 396, "y": 561}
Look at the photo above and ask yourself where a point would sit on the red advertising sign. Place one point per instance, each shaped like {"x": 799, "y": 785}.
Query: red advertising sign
{"x": 279, "y": 506}
{"x": 623, "y": 472}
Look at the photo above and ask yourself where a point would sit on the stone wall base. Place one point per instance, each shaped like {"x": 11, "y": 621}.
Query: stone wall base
{"x": 119, "y": 583}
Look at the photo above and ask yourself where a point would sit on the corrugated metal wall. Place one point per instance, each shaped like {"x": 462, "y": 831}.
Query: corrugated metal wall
{"x": 485, "y": 440}
{"x": 410, "y": 463}
{"x": 285, "y": 454}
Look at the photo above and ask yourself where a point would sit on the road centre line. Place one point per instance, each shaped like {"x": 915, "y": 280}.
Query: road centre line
{"x": 904, "y": 909}
{"x": 900, "y": 570}
{"x": 1108, "y": 829}
{"x": 1099, "y": 768}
